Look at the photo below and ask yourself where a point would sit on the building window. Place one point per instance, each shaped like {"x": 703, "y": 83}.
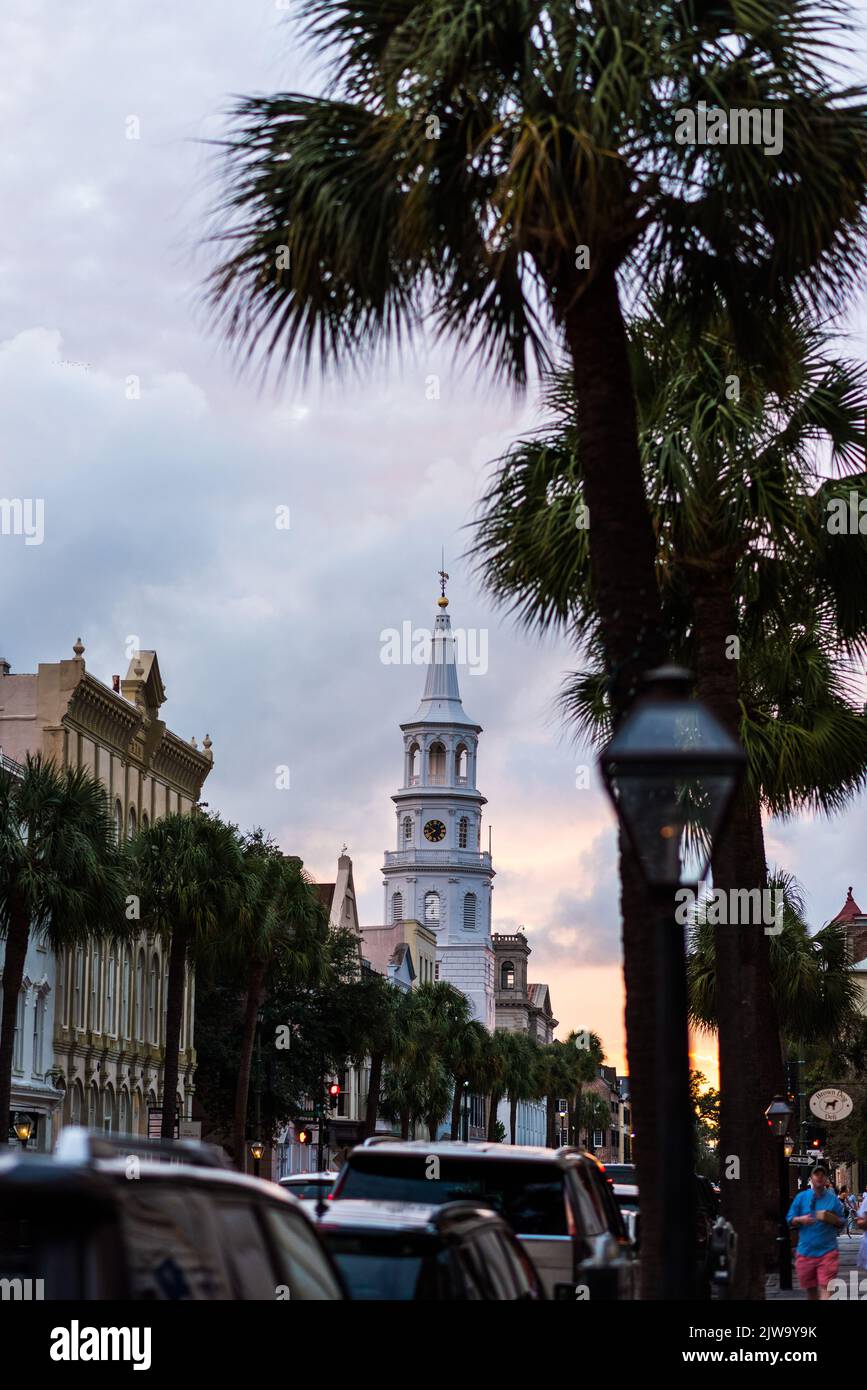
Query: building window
{"x": 118, "y": 822}
{"x": 152, "y": 1002}
{"x": 144, "y": 820}
{"x": 75, "y": 1104}
{"x": 108, "y": 1110}
{"x": 461, "y": 765}
{"x": 469, "y": 910}
{"x": 507, "y": 975}
{"x": 139, "y": 988}
{"x": 110, "y": 996}
{"x": 79, "y": 987}
{"x": 38, "y": 1033}
{"x": 463, "y": 832}
{"x": 431, "y": 907}
{"x": 123, "y": 1113}
{"x": 95, "y": 986}
{"x": 91, "y": 1107}
{"x": 397, "y": 907}
{"x": 407, "y": 830}
{"x": 18, "y": 1038}
{"x": 123, "y": 1029}
{"x": 131, "y": 824}
{"x": 436, "y": 970}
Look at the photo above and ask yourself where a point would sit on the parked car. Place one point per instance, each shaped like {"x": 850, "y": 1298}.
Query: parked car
{"x": 122, "y": 1218}
{"x": 309, "y": 1187}
{"x": 399, "y": 1251}
{"x": 715, "y": 1238}
{"x": 556, "y": 1201}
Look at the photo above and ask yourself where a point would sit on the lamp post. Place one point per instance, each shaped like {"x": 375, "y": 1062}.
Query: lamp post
{"x": 465, "y": 1112}
{"x": 671, "y": 770}
{"x": 779, "y": 1115}
{"x": 23, "y": 1126}
{"x": 257, "y": 1149}
{"x": 257, "y": 1144}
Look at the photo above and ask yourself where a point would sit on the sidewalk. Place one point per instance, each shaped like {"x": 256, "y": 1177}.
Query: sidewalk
{"x": 848, "y": 1247}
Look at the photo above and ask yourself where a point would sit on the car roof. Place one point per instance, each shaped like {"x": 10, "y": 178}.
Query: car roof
{"x": 420, "y": 1217}
{"x": 48, "y": 1171}
{"x": 325, "y": 1176}
{"x": 480, "y": 1148}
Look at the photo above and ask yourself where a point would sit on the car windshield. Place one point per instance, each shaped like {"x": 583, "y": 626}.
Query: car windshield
{"x": 529, "y": 1195}
{"x": 398, "y": 1268}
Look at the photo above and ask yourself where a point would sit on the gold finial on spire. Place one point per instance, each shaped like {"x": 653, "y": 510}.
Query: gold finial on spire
{"x": 442, "y": 601}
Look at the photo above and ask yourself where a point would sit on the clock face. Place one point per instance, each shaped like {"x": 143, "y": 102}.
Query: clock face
{"x": 435, "y": 830}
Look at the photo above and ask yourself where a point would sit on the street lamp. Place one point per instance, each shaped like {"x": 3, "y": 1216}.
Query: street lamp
{"x": 671, "y": 770}
{"x": 465, "y": 1115}
{"x": 23, "y": 1126}
{"x": 257, "y": 1149}
{"x": 779, "y": 1116}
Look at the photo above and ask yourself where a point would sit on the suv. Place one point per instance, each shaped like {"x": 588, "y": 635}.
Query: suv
{"x": 395, "y": 1251}
{"x": 117, "y": 1217}
{"x": 556, "y": 1201}
{"x": 309, "y": 1187}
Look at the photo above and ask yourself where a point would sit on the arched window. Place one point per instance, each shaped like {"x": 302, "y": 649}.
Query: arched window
{"x": 131, "y": 823}
{"x": 507, "y": 975}
{"x": 75, "y": 1103}
{"x": 139, "y": 996}
{"x": 397, "y": 907}
{"x": 414, "y": 765}
{"x": 123, "y": 1027}
{"x": 153, "y": 984}
{"x": 437, "y": 764}
{"x": 108, "y": 1110}
{"x": 463, "y": 832}
{"x": 431, "y": 907}
{"x": 144, "y": 820}
{"x": 118, "y": 821}
{"x": 136, "y": 1112}
{"x": 92, "y": 1106}
{"x": 461, "y": 761}
{"x": 407, "y": 830}
{"x": 123, "y": 1113}
{"x": 469, "y": 909}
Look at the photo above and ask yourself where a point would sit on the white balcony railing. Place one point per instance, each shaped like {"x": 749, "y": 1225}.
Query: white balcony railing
{"x": 470, "y": 857}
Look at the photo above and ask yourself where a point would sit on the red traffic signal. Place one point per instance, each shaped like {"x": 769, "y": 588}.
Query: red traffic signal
{"x": 334, "y": 1090}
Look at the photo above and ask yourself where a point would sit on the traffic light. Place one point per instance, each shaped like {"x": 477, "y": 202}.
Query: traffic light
{"x": 334, "y": 1090}
{"x": 303, "y": 1136}
{"x": 816, "y": 1136}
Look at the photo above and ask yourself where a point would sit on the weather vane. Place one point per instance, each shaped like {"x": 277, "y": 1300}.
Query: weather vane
{"x": 443, "y": 580}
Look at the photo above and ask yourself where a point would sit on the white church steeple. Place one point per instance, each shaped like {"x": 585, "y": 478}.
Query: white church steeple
{"x": 438, "y": 873}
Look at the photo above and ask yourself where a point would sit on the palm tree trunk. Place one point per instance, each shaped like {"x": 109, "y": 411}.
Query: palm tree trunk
{"x": 432, "y": 1130}
{"x": 622, "y": 566}
{"x": 750, "y": 1060}
{"x": 493, "y": 1107}
{"x": 17, "y": 939}
{"x": 372, "y": 1109}
{"x": 513, "y": 1119}
{"x": 252, "y": 1000}
{"x": 576, "y": 1115}
{"x": 404, "y": 1122}
{"x": 457, "y": 1099}
{"x": 174, "y": 1015}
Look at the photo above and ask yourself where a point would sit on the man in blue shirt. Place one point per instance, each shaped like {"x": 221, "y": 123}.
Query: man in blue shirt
{"x": 816, "y": 1214}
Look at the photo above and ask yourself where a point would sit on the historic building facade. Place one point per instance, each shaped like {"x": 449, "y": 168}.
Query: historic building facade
{"x": 438, "y": 874}
{"x": 103, "y": 1007}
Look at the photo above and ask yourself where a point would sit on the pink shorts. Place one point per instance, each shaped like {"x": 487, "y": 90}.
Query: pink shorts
{"x": 814, "y": 1270}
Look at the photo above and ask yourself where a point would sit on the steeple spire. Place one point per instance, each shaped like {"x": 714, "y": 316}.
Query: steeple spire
{"x": 441, "y": 701}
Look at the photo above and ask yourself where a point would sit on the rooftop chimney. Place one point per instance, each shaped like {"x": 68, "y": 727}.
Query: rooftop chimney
{"x": 115, "y": 684}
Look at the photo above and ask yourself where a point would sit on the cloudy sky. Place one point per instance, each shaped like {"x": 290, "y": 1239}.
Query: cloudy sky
{"x": 162, "y": 472}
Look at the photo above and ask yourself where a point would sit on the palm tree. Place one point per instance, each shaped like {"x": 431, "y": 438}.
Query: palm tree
{"x": 520, "y": 1075}
{"x": 495, "y": 1063}
{"x": 63, "y": 877}
{"x": 190, "y": 873}
{"x": 491, "y": 170}
{"x": 283, "y": 921}
{"x": 593, "y": 1113}
{"x": 465, "y": 1055}
{"x": 382, "y": 1040}
{"x": 742, "y": 555}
